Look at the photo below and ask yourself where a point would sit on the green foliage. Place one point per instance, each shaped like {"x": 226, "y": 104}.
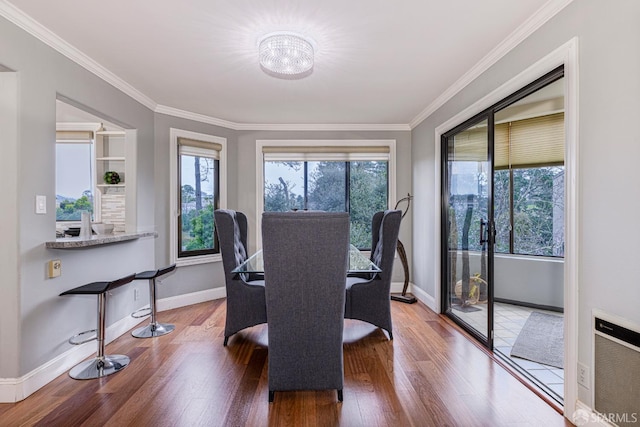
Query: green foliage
{"x": 538, "y": 207}
{"x": 368, "y": 196}
{"x": 197, "y": 227}
{"x": 70, "y": 210}
{"x": 327, "y": 192}
{"x": 188, "y": 194}
{"x": 327, "y": 186}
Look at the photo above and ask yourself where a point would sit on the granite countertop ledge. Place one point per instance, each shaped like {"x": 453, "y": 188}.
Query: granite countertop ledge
{"x": 97, "y": 240}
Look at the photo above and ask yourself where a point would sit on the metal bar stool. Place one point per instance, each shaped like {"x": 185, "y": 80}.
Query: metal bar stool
{"x": 153, "y": 329}
{"x": 101, "y": 365}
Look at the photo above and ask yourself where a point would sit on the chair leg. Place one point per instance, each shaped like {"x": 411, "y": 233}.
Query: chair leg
{"x": 340, "y": 395}
{"x": 271, "y": 395}
{"x": 153, "y": 329}
{"x": 226, "y": 340}
{"x": 102, "y": 365}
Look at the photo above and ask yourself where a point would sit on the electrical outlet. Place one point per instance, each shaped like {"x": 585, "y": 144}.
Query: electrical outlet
{"x": 55, "y": 268}
{"x": 583, "y": 375}
{"x": 136, "y": 294}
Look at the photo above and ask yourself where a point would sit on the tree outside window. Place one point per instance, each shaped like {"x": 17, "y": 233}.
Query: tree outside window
{"x": 357, "y": 187}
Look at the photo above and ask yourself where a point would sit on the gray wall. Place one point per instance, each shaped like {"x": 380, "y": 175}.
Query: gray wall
{"x": 533, "y": 280}
{"x": 609, "y": 84}
{"x": 536, "y": 281}
{"x": 44, "y": 320}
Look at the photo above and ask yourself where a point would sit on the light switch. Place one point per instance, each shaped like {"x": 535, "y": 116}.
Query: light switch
{"x": 41, "y": 204}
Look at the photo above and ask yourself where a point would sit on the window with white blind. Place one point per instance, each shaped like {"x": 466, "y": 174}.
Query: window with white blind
{"x": 197, "y": 163}
{"x": 339, "y": 176}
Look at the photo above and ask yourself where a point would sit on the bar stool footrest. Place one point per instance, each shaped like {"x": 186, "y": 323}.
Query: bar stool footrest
{"x": 74, "y": 341}
{"x": 139, "y": 313}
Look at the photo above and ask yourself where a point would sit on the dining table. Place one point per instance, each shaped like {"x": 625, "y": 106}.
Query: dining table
{"x": 358, "y": 263}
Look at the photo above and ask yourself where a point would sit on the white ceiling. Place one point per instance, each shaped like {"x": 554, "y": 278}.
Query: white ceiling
{"x": 377, "y": 61}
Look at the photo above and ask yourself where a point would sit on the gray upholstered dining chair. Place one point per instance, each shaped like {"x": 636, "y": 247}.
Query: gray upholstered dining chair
{"x": 368, "y": 298}
{"x": 306, "y": 258}
{"x": 245, "y": 298}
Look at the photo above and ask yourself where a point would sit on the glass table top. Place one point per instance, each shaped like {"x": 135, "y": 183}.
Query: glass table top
{"x": 358, "y": 263}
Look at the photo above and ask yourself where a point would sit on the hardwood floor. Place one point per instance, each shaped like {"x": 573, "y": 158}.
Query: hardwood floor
{"x": 429, "y": 375}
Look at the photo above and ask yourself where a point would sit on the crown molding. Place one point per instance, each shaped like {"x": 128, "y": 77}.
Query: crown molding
{"x": 330, "y": 127}
{"x": 531, "y": 25}
{"x": 175, "y": 112}
{"x": 24, "y": 21}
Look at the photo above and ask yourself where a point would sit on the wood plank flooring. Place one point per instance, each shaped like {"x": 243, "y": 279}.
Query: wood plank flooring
{"x": 429, "y": 375}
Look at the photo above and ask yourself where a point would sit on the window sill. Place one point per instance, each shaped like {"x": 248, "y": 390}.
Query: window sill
{"x": 195, "y": 260}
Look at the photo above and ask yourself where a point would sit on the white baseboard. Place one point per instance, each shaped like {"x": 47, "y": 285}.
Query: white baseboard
{"x": 425, "y": 298}
{"x": 192, "y": 298}
{"x": 396, "y": 287}
{"x": 584, "y": 416}
{"x": 422, "y": 296}
{"x": 17, "y": 389}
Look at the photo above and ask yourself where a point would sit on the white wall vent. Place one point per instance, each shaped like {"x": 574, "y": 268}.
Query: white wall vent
{"x": 616, "y": 372}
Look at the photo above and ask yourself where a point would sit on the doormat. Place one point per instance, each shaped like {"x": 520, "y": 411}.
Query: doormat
{"x": 541, "y": 340}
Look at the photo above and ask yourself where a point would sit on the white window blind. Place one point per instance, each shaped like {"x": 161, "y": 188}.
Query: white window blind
{"x": 470, "y": 145}
{"x": 326, "y": 153}
{"x": 537, "y": 141}
{"x": 74, "y": 136}
{"x": 193, "y": 147}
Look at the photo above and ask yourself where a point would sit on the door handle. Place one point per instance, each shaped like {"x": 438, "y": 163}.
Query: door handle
{"x": 483, "y": 231}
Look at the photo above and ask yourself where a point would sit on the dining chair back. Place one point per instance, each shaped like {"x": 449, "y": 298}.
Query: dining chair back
{"x": 245, "y": 298}
{"x": 306, "y": 257}
{"x": 368, "y": 298}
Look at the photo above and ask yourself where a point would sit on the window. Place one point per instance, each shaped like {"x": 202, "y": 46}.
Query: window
{"x": 529, "y": 186}
{"x": 197, "y": 171}
{"x": 352, "y": 178}
{"x": 535, "y": 223}
{"x": 74, "y": 174}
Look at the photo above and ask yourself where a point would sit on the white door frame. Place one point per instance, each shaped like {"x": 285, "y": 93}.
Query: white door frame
{"x": 566, "y": 55}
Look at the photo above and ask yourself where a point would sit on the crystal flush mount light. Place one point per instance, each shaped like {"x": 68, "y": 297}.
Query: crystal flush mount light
{"x": 285, "y": 54}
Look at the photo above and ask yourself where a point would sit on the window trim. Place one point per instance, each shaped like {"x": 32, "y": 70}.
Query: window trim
{"x": 339, "y": 145}
{"x": 174, "y": 151}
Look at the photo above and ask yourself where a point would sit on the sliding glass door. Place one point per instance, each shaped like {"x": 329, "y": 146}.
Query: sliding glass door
{"x": 502, "y": 192}
{"x": 467, "y": 226}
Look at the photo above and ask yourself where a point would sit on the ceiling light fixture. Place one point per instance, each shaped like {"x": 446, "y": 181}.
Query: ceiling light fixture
{"x": 286, "y": 54}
